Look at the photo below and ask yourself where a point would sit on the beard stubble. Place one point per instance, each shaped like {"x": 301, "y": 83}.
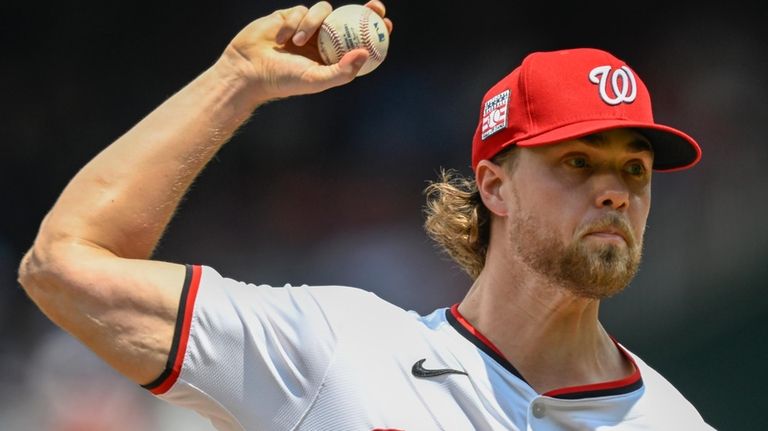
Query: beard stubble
{"x": 594, "y": 271}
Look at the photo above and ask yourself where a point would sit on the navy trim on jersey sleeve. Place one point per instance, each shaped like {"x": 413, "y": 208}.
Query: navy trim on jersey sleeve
{"x": 180, "y": 334}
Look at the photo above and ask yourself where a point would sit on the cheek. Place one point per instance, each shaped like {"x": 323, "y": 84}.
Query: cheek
{"x": 554, "y": 206}
{"x": 639, "y": 209}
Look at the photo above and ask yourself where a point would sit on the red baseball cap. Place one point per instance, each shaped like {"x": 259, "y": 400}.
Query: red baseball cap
{"x": 560, "y": 95}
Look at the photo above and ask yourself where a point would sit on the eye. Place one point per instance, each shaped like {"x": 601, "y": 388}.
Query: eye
{"x": 635, "y": 169}
{"x": 578, "y": 162}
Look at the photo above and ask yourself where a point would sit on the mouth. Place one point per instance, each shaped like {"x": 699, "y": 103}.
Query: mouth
{"x": 608, "y": 234}
{"x": 610, "y": 228}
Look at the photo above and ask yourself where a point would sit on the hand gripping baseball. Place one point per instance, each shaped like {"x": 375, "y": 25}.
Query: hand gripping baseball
{"x": 278, "y": 53}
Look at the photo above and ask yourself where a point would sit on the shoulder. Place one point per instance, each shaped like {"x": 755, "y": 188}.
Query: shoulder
{"x": 663, "y": 402}
{"x": 332, "y": 302}
{"x": 212, "y": 280}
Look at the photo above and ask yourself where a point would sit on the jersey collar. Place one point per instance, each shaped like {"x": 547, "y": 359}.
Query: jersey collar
{"x": 615, "y": 387}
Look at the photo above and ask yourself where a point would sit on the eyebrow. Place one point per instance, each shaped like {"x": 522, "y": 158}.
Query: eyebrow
{"x": 598, "y": 140}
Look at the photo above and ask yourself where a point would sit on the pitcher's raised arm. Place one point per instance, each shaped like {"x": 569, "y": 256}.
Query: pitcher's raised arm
{"x": 89, "y": 269}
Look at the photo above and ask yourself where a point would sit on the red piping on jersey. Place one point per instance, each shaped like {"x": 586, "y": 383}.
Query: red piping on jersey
{"x": 472, "y": 330}
{"x": 613, "y": 384}
{"x": 632, "y": 379}
{"x": 184, "y": 333}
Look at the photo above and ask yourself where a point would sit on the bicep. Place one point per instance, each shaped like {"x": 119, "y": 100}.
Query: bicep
{"x": 123, "y": 309}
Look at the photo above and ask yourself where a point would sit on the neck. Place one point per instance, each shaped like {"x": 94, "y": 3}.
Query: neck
{"x": 551, "y": 336}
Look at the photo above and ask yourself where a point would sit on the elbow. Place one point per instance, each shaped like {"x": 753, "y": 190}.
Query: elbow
{"x": 31, "y": 272}
{"x": 24, "y": 275}
{"x": 34, "y": 267}
{"x": 42, "y": 268}
{"x": 43, "y": 276}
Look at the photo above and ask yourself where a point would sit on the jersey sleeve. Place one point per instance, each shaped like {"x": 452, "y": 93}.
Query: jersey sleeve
{"x": 251, "y": 353}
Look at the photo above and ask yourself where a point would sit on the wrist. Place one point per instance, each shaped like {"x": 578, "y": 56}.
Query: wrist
{"x": 233, "y": 69}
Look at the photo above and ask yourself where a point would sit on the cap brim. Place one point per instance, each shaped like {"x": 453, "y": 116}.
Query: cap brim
{"x": 673, "y": 150}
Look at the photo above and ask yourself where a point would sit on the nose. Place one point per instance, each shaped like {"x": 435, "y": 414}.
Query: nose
{"x": 611, "y": 193}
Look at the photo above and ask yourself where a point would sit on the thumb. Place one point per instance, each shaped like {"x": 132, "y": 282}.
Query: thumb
{"x": 345, "y": 70}
{"x": 353, "y": 61}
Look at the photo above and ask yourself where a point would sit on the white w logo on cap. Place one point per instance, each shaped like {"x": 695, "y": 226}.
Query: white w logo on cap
{"x": 622, "y": 83}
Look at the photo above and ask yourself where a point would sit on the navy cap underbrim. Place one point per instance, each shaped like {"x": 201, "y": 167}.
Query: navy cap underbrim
{"x": 673, "y": 150}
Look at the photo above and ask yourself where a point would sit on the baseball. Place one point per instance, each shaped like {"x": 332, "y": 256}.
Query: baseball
{"x": 350, "y": 27}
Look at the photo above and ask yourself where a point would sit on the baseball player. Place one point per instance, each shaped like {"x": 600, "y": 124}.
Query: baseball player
{"x": 551, "y": 223}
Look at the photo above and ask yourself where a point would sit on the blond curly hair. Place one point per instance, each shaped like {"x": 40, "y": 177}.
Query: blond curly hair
{"x": 456, "y": 218}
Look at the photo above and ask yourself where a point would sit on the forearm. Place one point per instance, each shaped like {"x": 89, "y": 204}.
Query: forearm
{"x": 123, "y": 199}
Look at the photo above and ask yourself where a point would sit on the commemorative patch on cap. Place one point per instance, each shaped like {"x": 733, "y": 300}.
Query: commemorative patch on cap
{"x": 495, "y": 114}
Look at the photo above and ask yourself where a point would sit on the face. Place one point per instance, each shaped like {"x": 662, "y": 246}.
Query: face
{"x": 577, "y": 210}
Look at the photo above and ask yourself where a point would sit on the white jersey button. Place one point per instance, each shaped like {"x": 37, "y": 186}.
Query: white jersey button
{"x": 538, "y": 410}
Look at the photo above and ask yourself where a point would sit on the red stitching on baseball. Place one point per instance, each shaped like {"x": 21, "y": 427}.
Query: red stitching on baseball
{"x": 338, "y": 47}
{"x": 365, "y": 35}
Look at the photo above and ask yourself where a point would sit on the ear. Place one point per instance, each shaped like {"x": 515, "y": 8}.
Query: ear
{"x": 489, "y": 178}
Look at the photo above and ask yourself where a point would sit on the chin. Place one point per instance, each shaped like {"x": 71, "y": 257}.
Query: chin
{"x": 599, "y": 273}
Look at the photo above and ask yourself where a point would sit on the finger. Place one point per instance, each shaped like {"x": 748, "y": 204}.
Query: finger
{"x": 377, "y": 7}
{"x": 291, "y": 19}
{"x": 381, "y": 10}
{"x": 311, "y": 22}
{"x": 388, "y": 23}
{"x": 342, "y": 72}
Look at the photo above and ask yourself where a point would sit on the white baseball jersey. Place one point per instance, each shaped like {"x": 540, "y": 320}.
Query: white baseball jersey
{"x": 338, "y": 358}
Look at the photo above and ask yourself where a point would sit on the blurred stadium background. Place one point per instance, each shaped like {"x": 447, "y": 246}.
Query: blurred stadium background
{"x": 327, "y": 189}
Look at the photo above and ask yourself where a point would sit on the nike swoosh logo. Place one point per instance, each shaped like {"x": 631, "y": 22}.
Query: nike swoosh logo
{"x": 418, "y": 370}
